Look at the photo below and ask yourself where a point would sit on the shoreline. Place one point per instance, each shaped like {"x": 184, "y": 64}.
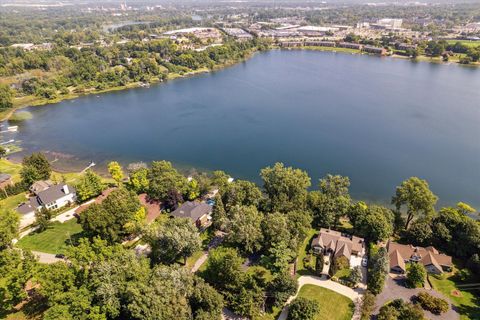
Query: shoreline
{"x": 32, "y": 101}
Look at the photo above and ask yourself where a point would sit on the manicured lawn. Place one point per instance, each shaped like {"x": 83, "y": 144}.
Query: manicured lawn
{"x": 12, "y": 202}
{"x": 53, "y": 240}
{"x": 11, "y": 168}
{"x": 333, "y": 306}
{"x": 466, "y": 43}
{"x": 465, "y": 295}
{"x": 303, "y": 252}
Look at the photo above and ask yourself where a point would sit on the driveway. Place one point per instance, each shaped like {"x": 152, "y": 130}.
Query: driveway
{"x": 395, "y": 288}
{"x": 353, "y": 294}
{"x": 46, "y": 257}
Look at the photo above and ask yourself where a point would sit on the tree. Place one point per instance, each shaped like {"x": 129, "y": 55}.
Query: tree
{"x": 286, "y": 187}
{"x": 377, "y": 270}
{"x": 221, "y": 180}
{"x": 432, "y": 304}
{"x": 331, "y": 202}
{"x": 278, "y": 257}
{"x": 193, "y": 190}
{"x": 6, "y": 97}
{"x": 139, "y": 180}
{"x": 163, "y": 178}
{"x": 420, "y": 233}
{"x": 275, "y": 229}
{"x": 173, "y": 199}
{"x": 415, "y": 194}
{"x": 219, "y": 216}
{"x": 163, "y": 295}
{"x": 205, "y": 301}
{"x": 112, "y": 219}
{"x": 303, "y": 309}
{"x": 374, "y": 223}
{"x": 356, "y": 275}
{"x": 9, "y": 224}
{"x": 174, "y": 239}
{"x": 224, "y": 268}
{"x": 245, "y": 228}
{"x": 299, "y": 224}
{"x": 282, "y": 287}
{"x": 465, "y": 208}
{"x": 115, "y": 171}
{"x": 416, "y": 275}
{"x": 243, "y": 193}
{"x": 399, "y": 310}
{"x": 89, "y": 186}
{"x": 42, "y": 218}
{"x": 34, "y": 168}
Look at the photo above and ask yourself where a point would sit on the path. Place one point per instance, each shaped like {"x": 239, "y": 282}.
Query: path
{"x": 219, "y": 236}
{"x": 354, "y": 295}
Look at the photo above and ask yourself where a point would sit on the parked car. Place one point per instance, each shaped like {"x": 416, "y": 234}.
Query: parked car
{"x": 60, "y": 256}
{"x": 364, "y": 261}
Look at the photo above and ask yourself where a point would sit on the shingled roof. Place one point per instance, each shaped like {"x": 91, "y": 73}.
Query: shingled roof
{"x": 427, "y": 256}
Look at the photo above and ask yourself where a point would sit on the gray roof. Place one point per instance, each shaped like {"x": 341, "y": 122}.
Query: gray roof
{"x": 54, "y": 193}
{"x": 4, "y": 177}
{"x": 30, "y": 206}
{"x": 192, "y": 210}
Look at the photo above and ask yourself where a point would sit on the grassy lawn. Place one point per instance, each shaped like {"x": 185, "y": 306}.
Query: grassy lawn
{"x": 466, "y": 43}
{"x": 11, "y": 168}
{"x": 465, "y": 295}
{"x": 12, "y": 202}
{"x": 53, "y": 240}
{"x": 303, "y": 252}
{"x": 333, "y": 306}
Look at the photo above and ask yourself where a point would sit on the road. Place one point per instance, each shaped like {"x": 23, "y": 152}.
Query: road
{"x": 354, "y": 295}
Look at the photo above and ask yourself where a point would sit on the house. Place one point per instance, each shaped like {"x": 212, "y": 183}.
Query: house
{"x": 331, "y": 242}
{"x": 40, "y": 186}
{"x": 198, "y": 212}
{"x": 5, "y": 180}
{"x": 54, "y": 197}
{"x": 375, "y": 50}
{"x": 350, "y": 45}
{"x": 401, "y": 254}
{"x": 320, "y": 43}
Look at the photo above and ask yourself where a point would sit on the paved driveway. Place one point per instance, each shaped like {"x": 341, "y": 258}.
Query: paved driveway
{"x": 395, "y": 288}
{"x": 354, "y": 295}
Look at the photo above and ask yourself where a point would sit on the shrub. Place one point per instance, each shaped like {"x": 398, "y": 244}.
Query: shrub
{"x": 368, "y": 305}
{"x": 432, "y": 304}
{"x": 338, "y": 264}
{"x": 416, "y": 275}
{"x": 303, "y": 309}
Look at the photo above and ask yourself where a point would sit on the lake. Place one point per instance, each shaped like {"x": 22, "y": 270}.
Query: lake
{"x": 376, "y": 120}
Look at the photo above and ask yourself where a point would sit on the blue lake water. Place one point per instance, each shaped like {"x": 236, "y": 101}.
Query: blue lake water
{"x": 376, "y": 120}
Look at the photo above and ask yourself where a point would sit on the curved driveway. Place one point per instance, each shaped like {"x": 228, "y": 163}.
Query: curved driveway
{"x": 354, "y": 295}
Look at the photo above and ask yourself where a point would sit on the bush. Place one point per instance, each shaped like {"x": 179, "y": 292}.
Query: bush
{"x": 338, "y": 264}
{"x": 433, "y": 304}
{"x": 368, "y": 305}
{"x": 416, "y": 275}
{"x": 303, "y": 309}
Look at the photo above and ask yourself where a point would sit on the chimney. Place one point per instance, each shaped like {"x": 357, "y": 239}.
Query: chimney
{"x": 65, "y": 189}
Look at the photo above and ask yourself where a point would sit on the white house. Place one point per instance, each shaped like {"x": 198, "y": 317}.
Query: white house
{"x": 52, "y": 197}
